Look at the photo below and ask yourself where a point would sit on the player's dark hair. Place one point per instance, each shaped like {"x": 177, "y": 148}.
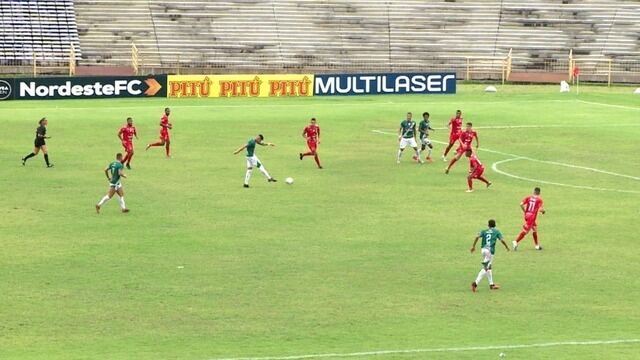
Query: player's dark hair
{"x": 165, "y": 109}
{"x": 313, "y": 119}
{"x": 42, "y": 120}
{"x": 459, "y": 111}
{"x": 492, "y": 223}
{"x": 409, "y": 112}
{"x": 469, "y": 124}
{"x": 118, "y": 155}
{"x": 536, "y": 190}
{"x": 129, "y": 118}
{"x": 261, "y": 137}
{"x": 425, "y": 113}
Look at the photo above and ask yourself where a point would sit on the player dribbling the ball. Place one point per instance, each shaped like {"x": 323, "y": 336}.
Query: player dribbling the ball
{"x": 252, "y": 159}
{"x": 488, "y": 248}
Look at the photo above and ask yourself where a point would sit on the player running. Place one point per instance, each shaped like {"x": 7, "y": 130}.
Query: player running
{"x": 423, "y": 128}
{"x": 165, "y": 139}
{"x": 407, "y": 136}
{"x": 530, "y": 207}
{"x": 465, "y": 139}
{"x": 126, "y": 134}
{"x": 489, "y": 238}
{"x": 39, "y": 143}
{"x": 114, "y": 173}
{"x": 252, "y": 159}
{"x": 311, "y": 133}
{"x": 476, "y": 169}
{"x": 455, "y": 128}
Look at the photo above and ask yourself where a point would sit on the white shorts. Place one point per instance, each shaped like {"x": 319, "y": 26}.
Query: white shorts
{"x": 487, "y": 257}
{"x": 116, "y": 186}
{"x": 253, "y": 161}
{"x": 408, "y": 141}
{"x": 425, "y": 141}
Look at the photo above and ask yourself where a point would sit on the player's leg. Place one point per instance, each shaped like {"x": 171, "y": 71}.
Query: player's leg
{"x": 247, "y": 175}
{"x": 167, "y": 147}
{"x": 402, "y": 145}
{"x": 417, "y": 155}
{"x": 110, "y": 193}
{"x": 46, "y": 156}
{"x": 525, "y": 230}
{"x": 452, "y": 141}
{"x": 314, "y": 150}
{"x": 157, "y": 143}
{"x": 129, "y": 157}
{"x": 429, "y": 149}
{"x": 35, "y": 152}
{"x": 264, "y": 171}
{"x": 470, "y": 183}
{"x": 120, "y": 192}
{"x": 478, "y": 175}
{"x": 534, "y": 232}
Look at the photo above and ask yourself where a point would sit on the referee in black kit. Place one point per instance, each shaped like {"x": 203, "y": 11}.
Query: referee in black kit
{"x": 39, "y": 143}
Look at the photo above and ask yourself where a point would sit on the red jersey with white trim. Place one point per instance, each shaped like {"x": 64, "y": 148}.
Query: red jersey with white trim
{"x": 466, "y": 138}
{"x": 456, "y": 125}
{"x": 312, "y": 132}
{"x": 127, "y": 133}
{"x": 532, "y": 205}
{"x": 474, "y": 163}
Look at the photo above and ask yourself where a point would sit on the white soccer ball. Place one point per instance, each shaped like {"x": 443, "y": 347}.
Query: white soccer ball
{"x": 289, "y": 180}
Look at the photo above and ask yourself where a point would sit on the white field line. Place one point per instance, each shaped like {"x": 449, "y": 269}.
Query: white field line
{"x": 272, "y": 105}
{"x": 514, "y": 156}
{"x": 440, "y": 350}
{"x": 609, "y": 105}
{"x": 494, "y": 167}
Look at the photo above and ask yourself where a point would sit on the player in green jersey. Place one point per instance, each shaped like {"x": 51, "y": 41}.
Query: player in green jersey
{"x": 489, "y": 238}
{"x": 407, "y": 136}
{"x": 423, "y": 128}
{"x": 114, "y": 173}
{"x": 252, "y": 159}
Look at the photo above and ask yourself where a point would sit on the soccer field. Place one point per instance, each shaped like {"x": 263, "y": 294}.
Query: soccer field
{"x": 364, "y": 256}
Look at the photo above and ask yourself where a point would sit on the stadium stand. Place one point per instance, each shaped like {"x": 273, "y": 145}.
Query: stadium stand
{"x": 42, "y": 29}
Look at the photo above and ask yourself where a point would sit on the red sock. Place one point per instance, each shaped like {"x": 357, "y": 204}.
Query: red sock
{"x": 521, "y": 236}
{"x": 470, "y": 182}
{"x": 317, "y": 159}
{"x": 535, "y": 238}
{"x": 168, "y": 151}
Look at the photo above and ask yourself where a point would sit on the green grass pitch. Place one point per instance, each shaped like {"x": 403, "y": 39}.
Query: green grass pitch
{"x": 365, "y": 255}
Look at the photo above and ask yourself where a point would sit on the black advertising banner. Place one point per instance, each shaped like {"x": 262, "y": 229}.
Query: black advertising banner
{"x": 84, "y": 87}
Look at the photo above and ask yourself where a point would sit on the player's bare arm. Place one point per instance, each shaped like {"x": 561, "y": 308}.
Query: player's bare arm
{"x": 477, "y": 141}
{"x": 475, "y": 241}
{"x": 505, "y": 245}
{"x": 121, "y": 173}
{"x": 524, "y": 208}
{"x": 106, "y": 173}
{"x": 239, "y": 149}
{"x": 265, "y": 144}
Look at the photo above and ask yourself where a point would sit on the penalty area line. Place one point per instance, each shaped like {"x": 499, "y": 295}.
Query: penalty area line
{"x": 494, "y": 167}
{"x": 440, "y": 350}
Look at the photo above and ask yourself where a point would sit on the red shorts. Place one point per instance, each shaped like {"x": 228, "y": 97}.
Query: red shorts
{"x": 164, "y": 135}
{"x": 453, "y": 137}
{"x": 530, "y": 222}
{"x": 313, "y": 145}
{"x": 477, "y": 173}
{"x": 462, "y": 149}
{"x": 128, "y": 146}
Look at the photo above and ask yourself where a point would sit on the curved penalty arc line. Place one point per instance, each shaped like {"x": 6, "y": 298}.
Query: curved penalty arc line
{"x": 495, "y": 168}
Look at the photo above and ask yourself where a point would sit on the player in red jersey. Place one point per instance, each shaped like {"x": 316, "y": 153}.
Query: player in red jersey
{"x": 455, "y": 128}
{"x": 530, "y": 207}
{"x": 126, "y": 134}
{"x": 165, "y": 139}
{"x": 465, "y": 139}
{"x": 312, "y": 134}
{"x": 476, "y": 169}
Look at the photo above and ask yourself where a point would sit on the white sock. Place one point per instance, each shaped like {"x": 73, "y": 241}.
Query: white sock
{"x": 399, "y": 154}
{"x": 103, "y": 200}
{"x": 428, "y": 152}
{"x": 490, "y": 276}
{"x": 418, "y": 152}
{"x": 480, "y": 276}
{"x": 121, "y": 201}
{"x": 247, "y": 176}
{"x": 264, "y": 171}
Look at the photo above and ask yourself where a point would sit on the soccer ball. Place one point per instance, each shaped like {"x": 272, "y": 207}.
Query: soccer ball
{"x": 289, "y": 180}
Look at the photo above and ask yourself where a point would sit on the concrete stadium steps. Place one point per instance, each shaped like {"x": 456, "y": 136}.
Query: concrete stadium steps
{"x": 374, "y": 34}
